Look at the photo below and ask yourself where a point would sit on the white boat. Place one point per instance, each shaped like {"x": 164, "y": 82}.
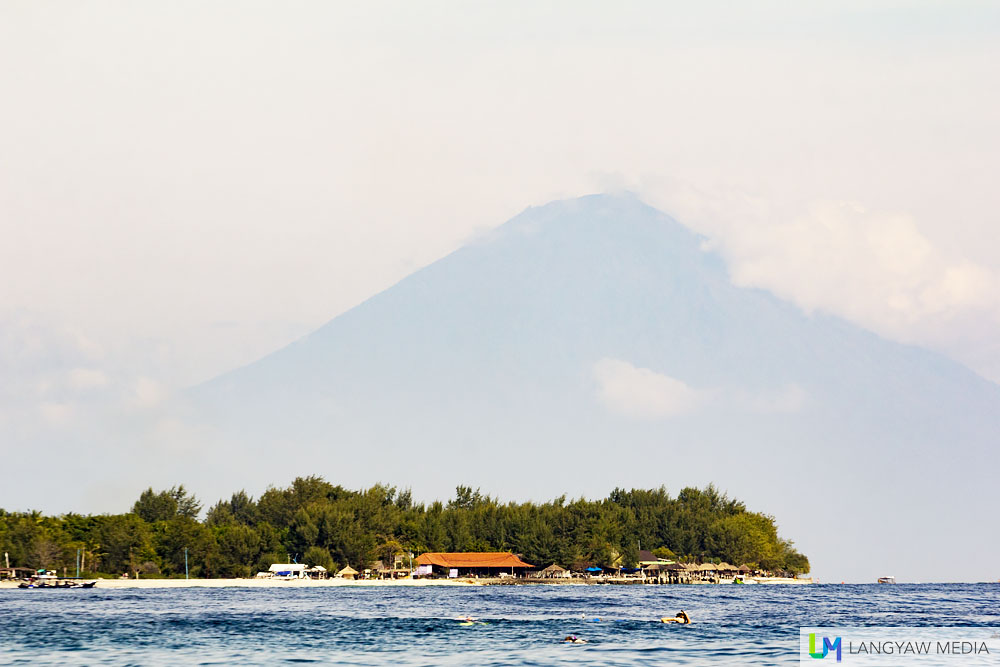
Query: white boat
{"x": 887, "y": 580}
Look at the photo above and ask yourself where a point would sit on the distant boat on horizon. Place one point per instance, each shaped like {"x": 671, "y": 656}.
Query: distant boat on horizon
{"x": 887, "y": 580}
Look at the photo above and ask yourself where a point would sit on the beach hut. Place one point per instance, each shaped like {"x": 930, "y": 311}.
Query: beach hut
{"x": 316, "y": 572}
{"x": 347, "y": 573}
{"x": 554, "y": 572}
{"x": 675, "y": 573}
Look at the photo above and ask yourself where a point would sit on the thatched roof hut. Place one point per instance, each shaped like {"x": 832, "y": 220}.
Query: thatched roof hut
{"x": 743, "y": 569}
{"x": 348, "y": 573}
{"x": 553, "y": 572}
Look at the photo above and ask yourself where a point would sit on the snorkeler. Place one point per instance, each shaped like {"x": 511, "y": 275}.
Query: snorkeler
{"x": 681, "y": 618}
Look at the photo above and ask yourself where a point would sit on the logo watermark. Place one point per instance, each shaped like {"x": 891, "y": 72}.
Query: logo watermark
{"x": 828, "y": 646}
{"x": 899, "y": 646}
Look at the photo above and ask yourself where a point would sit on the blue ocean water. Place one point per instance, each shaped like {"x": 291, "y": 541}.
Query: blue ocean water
{"x": 524, "y": 625}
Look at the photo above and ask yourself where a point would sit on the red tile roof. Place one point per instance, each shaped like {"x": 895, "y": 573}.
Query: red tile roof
{"x": 496, "y": 559}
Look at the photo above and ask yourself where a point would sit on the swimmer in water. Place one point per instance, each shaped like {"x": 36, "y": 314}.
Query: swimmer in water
{"x": 682, "y": 618}
{"x": 573, "y": 639}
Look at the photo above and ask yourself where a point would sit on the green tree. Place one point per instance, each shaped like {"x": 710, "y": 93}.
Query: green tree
{"x": 180, "y": 533}
{"x": 187, "y": 505}
{"x": 123, "y": 542}
{"x": 155, "y": 506}
{"x": 164, "y": 505}
{"x": 240, "y": 547}
{"x": 318, "y": 556}
{"x": 664, "y": 553}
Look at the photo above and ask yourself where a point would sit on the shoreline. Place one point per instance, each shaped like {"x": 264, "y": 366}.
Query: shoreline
{"x": 107, "y": 584}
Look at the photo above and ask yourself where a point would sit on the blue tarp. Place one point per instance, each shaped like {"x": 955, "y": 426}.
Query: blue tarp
{"x": 594, "y": 569}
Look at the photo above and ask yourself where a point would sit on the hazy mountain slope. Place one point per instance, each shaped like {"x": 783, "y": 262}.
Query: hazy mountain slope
{"x": 486, "y": 368}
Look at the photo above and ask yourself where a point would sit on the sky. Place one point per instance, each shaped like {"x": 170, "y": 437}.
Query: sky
{"x": 187, "y": 186}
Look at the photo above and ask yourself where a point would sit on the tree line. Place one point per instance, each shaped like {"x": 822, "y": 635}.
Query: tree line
{"x": 313, "y": 521}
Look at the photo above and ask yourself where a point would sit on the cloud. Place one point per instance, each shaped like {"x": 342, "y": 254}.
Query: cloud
{"x": 787, "y": 400}
{"x": 643, "y": 393}
{"x": 56, "y": 413}
{"x": 87, "y": 378}
{"x": 148, "y": 393}
{"x": 55, "y": 379}
{"x": 874, "y": 268}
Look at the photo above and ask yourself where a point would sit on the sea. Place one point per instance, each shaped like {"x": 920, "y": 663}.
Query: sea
{"x": 515, "y": 625}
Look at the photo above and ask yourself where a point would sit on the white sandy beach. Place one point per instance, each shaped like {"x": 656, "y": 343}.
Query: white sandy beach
{"x": 332, "y": 583}
{"x": 262, "y": 583}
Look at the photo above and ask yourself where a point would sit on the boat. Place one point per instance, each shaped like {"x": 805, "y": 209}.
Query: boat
{"x": 45, "y": 579}
{"x": 887, "y": 580}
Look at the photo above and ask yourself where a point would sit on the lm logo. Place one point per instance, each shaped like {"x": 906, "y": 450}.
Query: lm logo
{"x": 827, "y": 647}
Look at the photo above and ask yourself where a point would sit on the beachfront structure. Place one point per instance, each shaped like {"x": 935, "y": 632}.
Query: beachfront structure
{"x": 653, "y": 567}
{"x": 381, "y": 571}
{"x": 554, "y": 572}
{"x": 726, "y": 569}
{"x": 287, "y": 571}
{"x": 16, "y": 572}
{"x": 647, "y": 558}
{"x": 347, "y": 573}
{"x": 471, "y": 564}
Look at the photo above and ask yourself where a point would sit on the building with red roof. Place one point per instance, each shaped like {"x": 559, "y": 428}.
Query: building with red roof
{"x": 463, "y": 564}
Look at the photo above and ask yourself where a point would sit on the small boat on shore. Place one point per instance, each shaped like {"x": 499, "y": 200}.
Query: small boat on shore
{"x": 45, "y": 579}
